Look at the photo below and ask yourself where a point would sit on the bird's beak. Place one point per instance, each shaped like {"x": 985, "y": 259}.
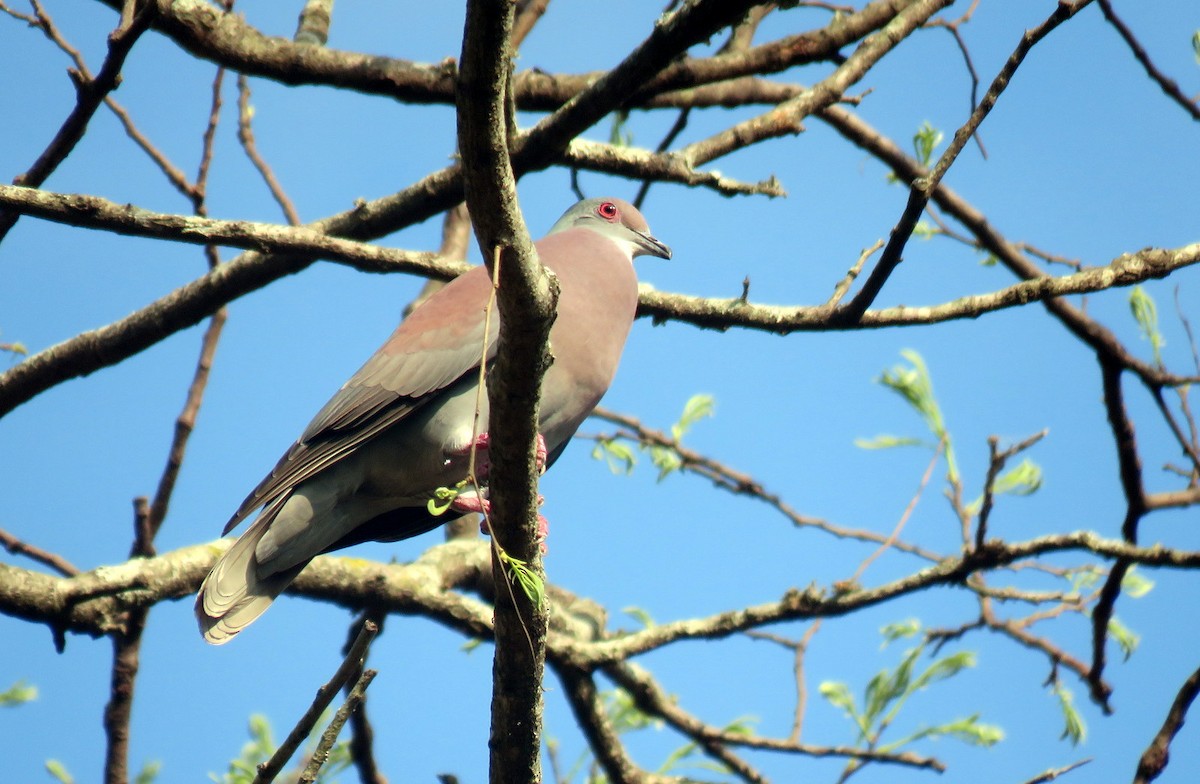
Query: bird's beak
{"x": 648, "y": 246}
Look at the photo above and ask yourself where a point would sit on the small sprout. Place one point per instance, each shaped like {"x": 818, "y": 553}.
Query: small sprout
{"x": 20, "y": 692}
{"x": 1074, "y": 728}
{"x": 925, "y": 141}
{"x": 1126, "y": 638}
{"x": 912, "y": 382}
{"x": 900, "y": 630}
{"x": 1145, "y": 313}
{"x": 886, "y": 441}
{"x": 530, "y": 581}
{"x": 443, "y": 497}
{"x": 1135, "y": 585}
{"x": 59, "y": 772}
{"x": 619, "y": 457}
{"x": 641, "y": 616}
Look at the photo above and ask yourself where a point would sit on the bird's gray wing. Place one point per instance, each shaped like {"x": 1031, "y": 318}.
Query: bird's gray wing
{"x": 438, "y": 344}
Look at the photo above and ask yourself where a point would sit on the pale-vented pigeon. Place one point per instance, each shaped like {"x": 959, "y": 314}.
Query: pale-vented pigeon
{"x": 401, "y": 427}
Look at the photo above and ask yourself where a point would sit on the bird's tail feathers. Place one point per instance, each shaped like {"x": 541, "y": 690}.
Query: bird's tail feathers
{"x": 233, "y": 594}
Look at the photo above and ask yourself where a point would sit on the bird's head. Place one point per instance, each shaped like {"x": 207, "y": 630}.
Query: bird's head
{"x": 616, "y": 219}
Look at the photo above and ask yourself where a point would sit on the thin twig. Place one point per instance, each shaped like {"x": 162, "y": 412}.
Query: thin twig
{"x": 329, "y": 736}
{"x": 1168, "y": 85}
{"x": 362, "y": 738}
{"x": 246, "y": 137}
{"x": 53, "y": 560}
{"x": 1054, "y": 773}
{"x": 304, "y": 727}
{"x": 730, "y": 479}
{"x": 924, "y": 187}
{"x": 90, "y": 92}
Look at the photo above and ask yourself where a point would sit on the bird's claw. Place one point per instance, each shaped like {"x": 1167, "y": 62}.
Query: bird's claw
{"x": 483, "y": 464}
{"x": 472, "y": 502}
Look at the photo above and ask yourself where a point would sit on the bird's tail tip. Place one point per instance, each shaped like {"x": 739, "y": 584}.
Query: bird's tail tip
{"x": 234, "y": 595}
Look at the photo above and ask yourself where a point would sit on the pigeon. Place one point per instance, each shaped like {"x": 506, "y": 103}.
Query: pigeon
{"x": 368, "y": 465}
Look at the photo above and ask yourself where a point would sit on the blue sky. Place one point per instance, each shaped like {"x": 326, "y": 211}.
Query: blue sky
{"x": 1086, "y": 158}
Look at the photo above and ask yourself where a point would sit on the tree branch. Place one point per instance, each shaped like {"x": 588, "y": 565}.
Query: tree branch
{"x": 1154, "y": 759}
{"x": 136, "y": 16}
{"x": 526, "y": 296}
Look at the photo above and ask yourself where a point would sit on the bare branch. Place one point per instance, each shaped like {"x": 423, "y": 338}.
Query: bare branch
{"x": 730, "y": 479}
{"x": 353, "y": 702}
{"x": 350, "y": 664}
{"x": 1168, "y": 85}
{"x": 56, "y": 562}
{"x": 906, "y": 168}
{"x": 923, "y": 188}
{"x": 1154, "y": 759}
{"x": 603, "y": 738}
{"x": 651, "y": 698}
{"x": 89, "y": 94}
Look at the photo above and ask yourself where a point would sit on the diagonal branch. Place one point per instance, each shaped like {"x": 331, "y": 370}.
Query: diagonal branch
{"x": 90, "y": 93}
{"x": 351, "y": 664}
{"x": 923, "y": 188}
{"x": 1154, "y": 758}
{"x": 1168, "y": 85}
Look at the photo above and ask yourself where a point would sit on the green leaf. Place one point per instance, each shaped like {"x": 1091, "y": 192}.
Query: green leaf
{"x": 889, "y": 689}
{"x": 1024, "y": 479}
{"x": 900, "y": 630}
{"x": 912, "y": 382}
{"x": 666, "y": 460}
{"x": 148, "y": 773}
{"x": 989, "y": 261}
{"x": 617, "y": 454}
{"x": 59, "y": 771}
{"x": 887, "y": 442}
{"x": 1074, "y": 728}
{"x": 443, "y": 497}
{"x": 624, "y": 713}
{"x": 924, "y": 230}
{"x": 256, "y": 751}
{"x": 1126, "y": 638}
{"x": 17, "y": 694}
{"x": 1084, "y": 577}
{"x": 641, "y": 616}
{"x": 530, "y": 581}
{"x": 697, "y": 407}
{"x": 944, "y": 668}
{"x": 838, "y": 694}
{"x": 925, "y": 141}
{"x": 618, "y": 136}
{"x": 968, "y": 729}
{"x": 1145, "y": 312}
{"x": 1196, "y": 46}
{"x": 1135, "y": 585}
{"x": 675, "y": 757}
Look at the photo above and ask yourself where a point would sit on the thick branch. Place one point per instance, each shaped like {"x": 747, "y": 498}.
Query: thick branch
{"x": 226, "y": 39}
{"x": 526, "y": 297}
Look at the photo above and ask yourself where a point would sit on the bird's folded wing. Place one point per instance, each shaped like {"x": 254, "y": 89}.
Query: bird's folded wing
{"x": 430, "y": 351}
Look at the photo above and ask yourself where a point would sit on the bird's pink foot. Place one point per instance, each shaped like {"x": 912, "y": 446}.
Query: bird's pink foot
{"x": 483, "y": 464}
{"x": 470, "y": 502}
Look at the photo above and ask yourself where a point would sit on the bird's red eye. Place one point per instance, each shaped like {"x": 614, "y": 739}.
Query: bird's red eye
{"x": 607, "y": 210}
